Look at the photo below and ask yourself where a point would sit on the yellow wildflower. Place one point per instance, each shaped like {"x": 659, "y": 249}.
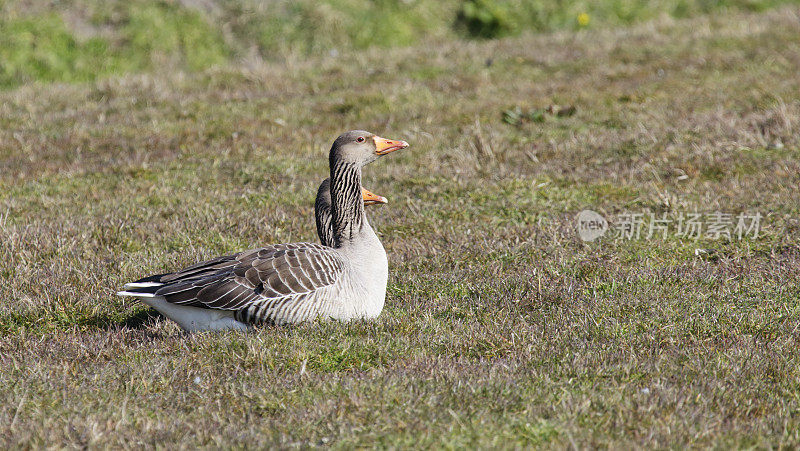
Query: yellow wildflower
{"x": 583, "y": 19}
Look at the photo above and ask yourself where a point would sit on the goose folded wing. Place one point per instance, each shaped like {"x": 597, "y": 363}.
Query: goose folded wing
{"x": 285, "y": 272}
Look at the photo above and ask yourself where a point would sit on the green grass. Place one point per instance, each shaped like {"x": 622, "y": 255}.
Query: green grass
{"x": 119, "y": 38}
{"x": 86, "y": 40}
{"x": 502, "y": 328}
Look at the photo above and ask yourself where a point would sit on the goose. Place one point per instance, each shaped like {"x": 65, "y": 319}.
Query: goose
{"x": 322, "y": 209}
{"x": 289, "y": 283}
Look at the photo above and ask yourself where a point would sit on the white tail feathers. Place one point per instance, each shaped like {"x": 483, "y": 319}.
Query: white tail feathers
{"x": 138, "y": 295}
{"x": 143, "y": 284}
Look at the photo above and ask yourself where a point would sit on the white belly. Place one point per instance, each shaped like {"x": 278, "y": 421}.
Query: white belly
{"x": 363, "y": 291}
{"x": 194, "y": 319}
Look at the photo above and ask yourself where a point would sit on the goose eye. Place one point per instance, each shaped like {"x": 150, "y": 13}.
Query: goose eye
{"x": 360, "y": 139}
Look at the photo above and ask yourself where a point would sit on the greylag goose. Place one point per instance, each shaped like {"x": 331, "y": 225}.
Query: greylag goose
{"x": 322, "y": 209}
{"x": 288, "y": 283}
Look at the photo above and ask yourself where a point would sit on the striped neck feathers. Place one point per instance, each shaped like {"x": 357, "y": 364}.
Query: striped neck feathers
{"x": 322, "y": 213}
{"x": 347, "y": 206}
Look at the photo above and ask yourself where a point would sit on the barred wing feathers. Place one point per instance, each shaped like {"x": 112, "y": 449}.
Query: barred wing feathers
{"x": 274, "y": 284}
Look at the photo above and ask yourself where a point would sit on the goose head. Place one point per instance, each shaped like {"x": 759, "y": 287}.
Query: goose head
{"x": 358, "y": 148}
{"x": 324, "y": 196}
{"x": 371, "y": 198}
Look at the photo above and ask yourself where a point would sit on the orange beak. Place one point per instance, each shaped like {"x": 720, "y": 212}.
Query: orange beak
{"x": 384, "y": 146}
{"x": 371, "y": 198}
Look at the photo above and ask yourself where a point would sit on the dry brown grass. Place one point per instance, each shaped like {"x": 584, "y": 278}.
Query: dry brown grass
{"x": 502, "y": 328}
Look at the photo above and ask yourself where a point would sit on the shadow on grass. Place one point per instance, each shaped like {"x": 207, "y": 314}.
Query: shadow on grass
{"x": 49, "y": 321}
{"x": 140, "y": 320}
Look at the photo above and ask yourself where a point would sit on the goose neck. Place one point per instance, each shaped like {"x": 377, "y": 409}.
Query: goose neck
{"x": 322, "y": 214}
{"x": 347, "y": 207}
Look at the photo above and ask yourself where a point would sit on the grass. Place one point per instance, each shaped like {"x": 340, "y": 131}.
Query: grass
{"x": 103, "y": 40}
{"x": 88, "y": 40}
{"x": 502, "y": 328}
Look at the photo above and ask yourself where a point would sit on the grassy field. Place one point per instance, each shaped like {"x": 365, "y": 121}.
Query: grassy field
{"x": 88, "y": 40}
{"x": 502, "y": 328}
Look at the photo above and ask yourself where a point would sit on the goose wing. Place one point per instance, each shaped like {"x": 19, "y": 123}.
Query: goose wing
{"x": 270, "y": 284}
